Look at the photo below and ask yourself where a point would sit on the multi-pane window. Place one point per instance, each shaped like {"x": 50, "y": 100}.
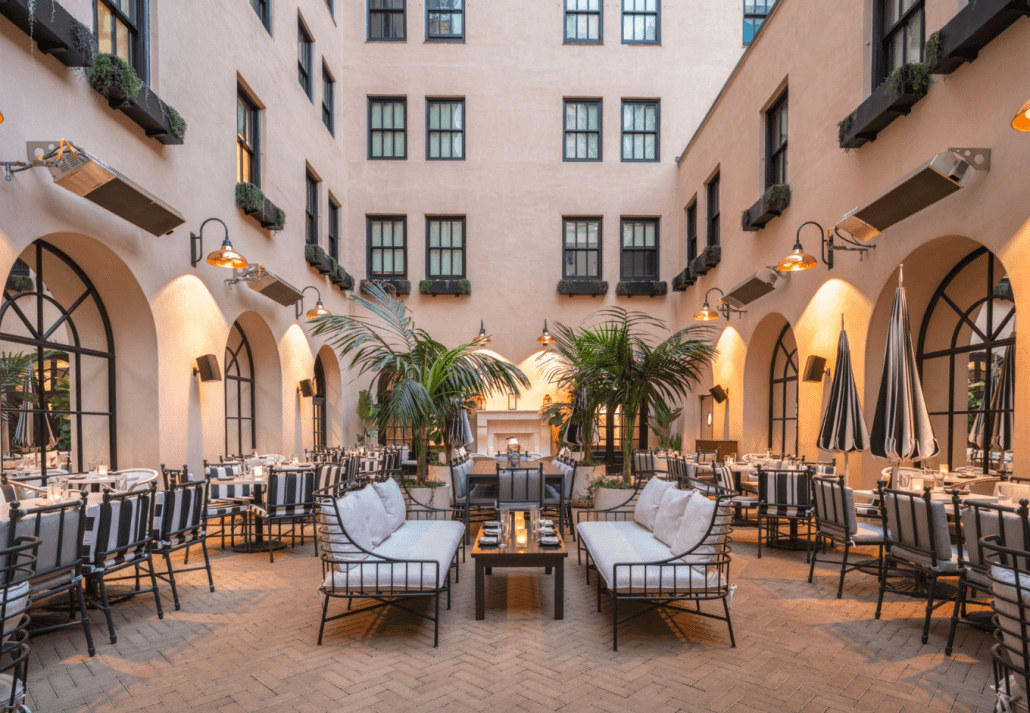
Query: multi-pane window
{"x": 639, "y": 249}
{"x": 311, "y": 210}
{"x": 247, "y": 153}
{"x": 581, "y": 249}
{"x": 445, "y": 248}
{"x": 583, "y": 21}
{"x": 304, "y": 58}
{"x": 639, "y": 130}
{"x": 445, "y": 20}
{"x": 261, "y": 7}
{"x": 387, "y": 131}
{"x": 582, "y": 130}
{"x": 334, "y": 229}
{"x": 387, "y": 246}
{"x": 445, "y": 129}
{"x": 641, "y": 22}
{"x": 903, "y": 26}
{"x": 119, "y": 25}
{"x": 328, "y": 100}
{"x": 713, "y": 211}
{"x": 386, "y": 20}
{"x": 692, "y": 231}
{"x": 755, "y": 12}
{"x": 776, "y": 142}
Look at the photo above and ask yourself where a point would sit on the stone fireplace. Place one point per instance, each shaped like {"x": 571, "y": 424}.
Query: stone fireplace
{"x": 494, "y": 428}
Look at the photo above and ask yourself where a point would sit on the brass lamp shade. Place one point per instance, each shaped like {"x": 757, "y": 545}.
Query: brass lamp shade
{"x": 797, "y": 261}
{"x": 227, "y": 257}
{"x": 318, "y": 311}
{"x": 707, "y": 314}
{"x": 482, "y": 339}
{"x": 546, "y": 337}
{"x": 1021, "y": 121}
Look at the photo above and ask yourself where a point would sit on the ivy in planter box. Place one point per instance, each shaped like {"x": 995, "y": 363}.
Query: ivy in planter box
{"x": 445, "y": 287}
{"x": 769, "y": 206}
{"x": 318, "y": 259}
{"x": 970, "y": 30}
{"x": 707, "y": 259}
{"x": 53, "y": 29}
{"x": 583, "y": 287}
{"x": 115, "y": 80}
{"x": 903, "y": 87}
{"x": 341, "y": 279}
{"x": 685, "y": 279}
{"x": 254, "y": 203}
{"x": 642, "y": 288}
{"x": 395, "y": 288}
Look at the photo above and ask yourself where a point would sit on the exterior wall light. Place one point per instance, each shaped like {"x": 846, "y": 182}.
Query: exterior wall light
{"x": 1021, "y": 121}
{"x": 225, "y": 256}
{"x": 546, "y": 337}
{"x": 707, "y": 314}
{"x": 482, "y": 339}
{"x": 798, "y": 259}
{"x": 315, "y": 312}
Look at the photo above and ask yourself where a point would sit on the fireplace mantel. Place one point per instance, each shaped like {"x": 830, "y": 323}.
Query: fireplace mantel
{"x": 493, "y": 428}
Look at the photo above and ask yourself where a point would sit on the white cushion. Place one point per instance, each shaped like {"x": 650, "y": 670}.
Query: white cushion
{"x": 16, "y": 599}
{"x": 697, "y": 517}
{"x": 353, "y": 521}
{"x": 1008, "y": 600}
{"x": 670, "y": 514}
{"x": 646, "y": 509}
{"x": 379, "y": 524}
{"x": 393, "y": 502}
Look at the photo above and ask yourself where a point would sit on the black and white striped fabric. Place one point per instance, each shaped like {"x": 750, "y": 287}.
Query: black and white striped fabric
{"x": 60, "y": 529}
{"x": 288, "y": 495}
{"x": 833, "y": 505}
{"x": 225, "y": 470}
{"x": 917, "y": 530}
{"x": 520, "y": 486}
{"x": 783, "y": 493}
{"x": 179, "y": 515}
{"x": 327, "y": 474}
{"x": 124, "y": 533}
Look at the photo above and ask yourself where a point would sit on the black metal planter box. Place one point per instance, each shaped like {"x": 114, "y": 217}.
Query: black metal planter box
{"x": 394, "y": 287}
{"x": 445, "y": 287}
{"x": 971, "y": 29}
{"x": 318, "y": 259}
{"x": 707, "y": 259}
{"x": 145, "y": 109}
{"x": 685, "y": 279}
{"x": 762, "y": 213}
{"x": 268, "y": 216}
{"x": 53, "y": 28}
{"x": 641, "y": 289}
{"x": 593, "y": 288}
{"x": 876, "y": 113}
{"x": 342, "y": 280}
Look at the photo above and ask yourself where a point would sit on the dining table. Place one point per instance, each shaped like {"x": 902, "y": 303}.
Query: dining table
{"x": 484, "y": 472}
{"x": 249, "y": 489}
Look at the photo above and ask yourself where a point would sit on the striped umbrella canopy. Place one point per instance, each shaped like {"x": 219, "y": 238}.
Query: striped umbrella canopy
{"x": 1002, "y": 406}
{"x": 461, "y": 431}
{"x": 25, "y": 429}
{"x": 573, "y": 433}
{"x": 901, "y": 425}
{"x": 843, "y": 427}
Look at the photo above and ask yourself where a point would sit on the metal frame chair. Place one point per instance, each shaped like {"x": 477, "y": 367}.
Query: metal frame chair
{"x": 17, "y": 568}
{"x": 833, "y": 507}
{"x": 180, "y": 517}
{"x": 784, "y": 495}
{"x": 288, "y": 499}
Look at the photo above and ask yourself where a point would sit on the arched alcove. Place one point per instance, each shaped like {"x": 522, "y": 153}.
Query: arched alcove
{"x": 265, "y": 386}
{"x": 758, "y": 366}
{"x": 330, "y": 388}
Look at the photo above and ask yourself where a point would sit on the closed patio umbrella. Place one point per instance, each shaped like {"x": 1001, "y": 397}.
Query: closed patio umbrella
{"x": 461, "y": 431}
{"x": 25, "y": 429}
{"x": 843, "y": 427}
{"x": 901, "y": 424}
{"x": 1002, "y": 407}
{"x": 573, "y": 433}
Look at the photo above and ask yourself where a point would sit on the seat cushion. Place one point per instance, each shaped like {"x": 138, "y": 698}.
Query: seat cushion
{"x": 15, "y": 600}
{"x": 670, "y": 514}
{"x": 342, "y": 546}
{"x": 696, "y": 523}
{"x": 646, "y": 510}
{"x": 393, "y": 502}
{"x": 379, "y": 524}
{"x": 868, "y": 534}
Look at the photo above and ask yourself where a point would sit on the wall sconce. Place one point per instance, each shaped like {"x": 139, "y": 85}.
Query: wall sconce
{"x": 207, "y": 367}
{"x": 513, "y": 401}
{"x": 546, "y": 337}
{"x": 1021, "y": 121}
{"x": 315, "y": 312}
{"x": 719, "y": 393}
{"x": 798, "y": 259}
{"x": 306, "y": 388}
{"x": 707, "y": 314}
{"x": 225, "y": 256}
{"x": 480, "y": 402}
{"x": 815, "y": 368}
{"x": 482, "y": 339}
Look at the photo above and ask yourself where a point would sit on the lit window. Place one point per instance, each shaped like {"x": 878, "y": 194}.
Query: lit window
{"x": 118, "y": 31}
{"x": 247, "y": 153}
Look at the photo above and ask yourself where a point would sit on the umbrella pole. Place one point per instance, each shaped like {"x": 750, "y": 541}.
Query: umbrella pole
{"x": 847, "y": 481}
{"x": 895, "y": 464}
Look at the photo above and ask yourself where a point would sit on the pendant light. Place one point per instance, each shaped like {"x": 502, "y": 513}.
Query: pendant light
{"x": 482, "y": 339}
{"x": 546, "y": 337}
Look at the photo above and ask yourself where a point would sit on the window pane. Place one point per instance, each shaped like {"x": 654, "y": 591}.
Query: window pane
{"x": 592, "y": 146}
{"x": 649, "y": 147}
{"x": 398, "y": 261}
{"x": 434, "y": 262}
{"x": 398, "y": 115}
{"x": 459, "y": 146}
{"x": 592, "y": 117}
{"x": 104, "y": 36}
{"x": 458, "y": 265}
{"x": 627, "y": 146}
{"x": 400, "y": 144}
{"x": 434, "y": 116}
{"x": 377, "y": 234}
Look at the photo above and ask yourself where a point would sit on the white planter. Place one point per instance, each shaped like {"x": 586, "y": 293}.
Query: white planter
{"x": 607, "y": 498}
{"x": 585, "y": 475}
{"x": 433, "y": 497}
{"x": 442, "y": 474}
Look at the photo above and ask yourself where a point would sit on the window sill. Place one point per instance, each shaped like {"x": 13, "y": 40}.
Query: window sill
{"x": 53, "y": 28}
{"x": 642, "y": 288}
{"x": 876, "y": 113}
{"x": 456, "y": 286}
{"x": 707, "y": 259}
{"x": 593, "y": 288}
{"x": 443, "y": 41}
{"x": 147, "y": 110}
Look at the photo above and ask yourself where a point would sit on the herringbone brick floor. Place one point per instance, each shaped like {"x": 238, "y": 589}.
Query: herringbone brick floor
{"x": 250, "y": 646}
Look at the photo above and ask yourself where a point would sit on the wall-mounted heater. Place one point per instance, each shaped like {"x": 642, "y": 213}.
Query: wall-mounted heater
{"x": 758, "y": 285}
{"x": 267, "y": 283}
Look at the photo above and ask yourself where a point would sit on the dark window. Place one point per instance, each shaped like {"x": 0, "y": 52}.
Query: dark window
{"x": 311, "y": 210}
{"x": 121, "y": 31}
{"x": 902, "y": 26}
{"x": 240, "y": 391}
{"x": 713, "y": 211}
{"x": 262, "y": 8}
{"x": 304, "y": 58}
{"x": 692, "y": 231}
{"x": 328, "y": 100}
{"x": 639, "y": 130}
{"x": 318, "y": 410}
{"x": 582, "y": 130}
{"x": 387, "y": 246}
{"x": 783, "y": 395}
{"x": 334, "y": 230}
{"x": 581, "y": 249}
{"x": 776, "y": 142}
{"x": 641, "y": 22}
{"x": 639, "y": 249}
{"x": 583, "y": 21}
{"x": 755, "y": 12}
{"x": 248, "y": 154}
{"x": 445, "y": 20}
{"x": 386, "y": 20}
{"x": 445, "y": 129}
{"x": 387, "y": 131}
{"x": 331, "y": 4}
{"x": 445, "y": 248}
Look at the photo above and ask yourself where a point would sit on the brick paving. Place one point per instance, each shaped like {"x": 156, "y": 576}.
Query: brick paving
{"x": 250, "y": 646}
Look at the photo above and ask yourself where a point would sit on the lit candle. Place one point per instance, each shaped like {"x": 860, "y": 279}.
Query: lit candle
{"x": 520, "y": 519}
{"x": 521, "y": 537}
{"x": 917, "y": 485}
{"x": 944, "y": 469}
{"x": 101, "y": 469}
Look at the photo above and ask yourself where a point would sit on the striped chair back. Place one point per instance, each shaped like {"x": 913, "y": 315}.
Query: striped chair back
{"x": 126, "y": 525}
{"x": 221, "y": 471}
{"x": 784, "y": 493}
{"x": 916, "y": 527}
{"x": 707, "y": 456}
{"x": 179, "y": 514}
{"x": 290, "y": 494}
{"x": 724, "y": 478}
{"x": 60, "y": 527}
{"x": 1009, "y": 526}
{"x": 323, "y": 476}
{"x": 17, "y": 568}
{"x": 643, "y": 464}
{"x": 520, "y": 486}
{"x": 833, "y": 505}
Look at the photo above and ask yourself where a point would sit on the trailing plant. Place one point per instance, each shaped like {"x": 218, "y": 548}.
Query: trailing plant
{"x": 464, "y": 286}
{"x": 249, "y": 197}
{"x": 659, "y": 287}
{"x": 777, "y": 197}
{"x": 844, "y": 127}
{"x": 84, "y": 41}
{"x": 913, "y": 75}
{"x": 425, "y": 287}
{"x": 19, "y": 283}
{"x": 176, "y": 121}
{"x": 110, "y": 70}
{"x": 933, "y": 49}
{"x": 280, "y": 219}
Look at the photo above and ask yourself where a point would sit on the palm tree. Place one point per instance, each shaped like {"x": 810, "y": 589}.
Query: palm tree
{"x": 422, "y": 381}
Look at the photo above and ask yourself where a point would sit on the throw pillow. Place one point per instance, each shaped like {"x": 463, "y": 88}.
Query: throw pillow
{"x": 646, "y": 509}
{"x": 379, "y": 527}
{"x": 393, "y": 501}
{"x": 339, "y": 545}
{"x": 696, "y": 518}
{"x": 670, "y": 514}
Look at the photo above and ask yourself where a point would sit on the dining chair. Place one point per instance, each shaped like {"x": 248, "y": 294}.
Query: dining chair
{"x": 137, "y": 478}
{"x": 17, "y": 568}
{"x": 644, "y": 465}
{"x": 1009, "y": 576}
{"x": 741, "y": 503}
{"x": 560, "y": 503}
{"x": 784, "y": 495}
{"x": 170, "y": 476}
{"x": 179, "y": 519}
{"x": 833, "y": 507}
{"x": 520, "y": 487}
{"x": 289, "y": 499}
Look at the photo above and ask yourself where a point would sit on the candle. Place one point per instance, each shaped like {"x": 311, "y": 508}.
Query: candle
{"x": 917, "y": 485}
{"x": 101, "y": 469}
{"x": 521, "y": 537}
{"x": 520, "y": 519}
{"x": 944, "y": 469}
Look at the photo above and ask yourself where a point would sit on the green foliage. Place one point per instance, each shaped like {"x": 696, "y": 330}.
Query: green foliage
{"x": 661, "y": 425}
{"x": 425, "y": 287}
{"x": 280, "y": 219}
{"x": 912, "y": 76}
{"x": 933, "y": 49}
{"x": 659, "y": 287}
{"x": 464, "y": 286}
{"x": 777, "y": 197}
{"x": 410, "y": 483}
{"x": 177, "y": 122}
{"x": 19, "y": 283}
{"x": 844, "y": 127}
{"x": 609, "y": 483}
{"x": 109, "y": 71}
{"x": 249, "y": 197}
{"x": 367, "y": 411}
{"x": 745, "y": 220}
{"x": 60, "y": 400}
{"x": 15, "y": 369}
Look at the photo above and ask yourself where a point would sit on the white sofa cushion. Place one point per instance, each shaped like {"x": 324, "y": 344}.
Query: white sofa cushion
{"x": 696, "y": 519}
{"x": 341, "y": 546}
{"x": 393, "y": 502}
{"x": 379, "y": 526}
{"x": 670, "y": 514}
{"x": 646, "y": 509}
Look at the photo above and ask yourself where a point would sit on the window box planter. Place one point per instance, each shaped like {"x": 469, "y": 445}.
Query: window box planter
{"x": 771, "y": 205}
{"x": 685, "y": 279}
{"x": 593, "y": 288}
{"x": 642, "y": 289}
{"x": 318, "y": 259}
{"x": 895, "y": 97}
{"x": 707, "y": 259}
{"x": 395, "y": 287}
{"x": 445, "y": 287}
{"x": 53, "y": 29}
{"x": 340, "y": 278}
{"x": 969, "y": 31}
{"x": 117, "y": 82}
{"x": 254, "y": 203}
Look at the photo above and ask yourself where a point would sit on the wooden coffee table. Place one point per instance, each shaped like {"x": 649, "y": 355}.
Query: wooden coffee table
{"x": 532, "y": 555}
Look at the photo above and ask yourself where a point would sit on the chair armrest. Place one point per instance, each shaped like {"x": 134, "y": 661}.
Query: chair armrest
{"x": 603, "y": 515}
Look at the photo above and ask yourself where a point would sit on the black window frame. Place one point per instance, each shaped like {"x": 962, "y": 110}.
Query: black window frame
{"x": 139, "y": 31}
{"x": 567, "y": 12}
{"x": 328, "y": 94}
{"x": 430, "y": 101}
{"x": 463, "y": 249}
{"x": 263, "y": 9}
{"x": 246, "y": 409}
{"x": 310, "y": 208}
{"x": 392, "y": 11}
{"x": 775, "y": 151}
{"x": 452, "y": 37}
{"x": 369, "y": 220}
{"x": 884, "y": 35}
{"x": 566, "y": 219}
{"x": 331, "y": 4}
{"x": 254, "y": 150}
{"x": 786, "y": 381}
{"x": 713, "y": 222}
{"x": 756, "y": 17}
{"x": 657, "y": 133}
{"x": 655, "y": 249}
{"x": 691, "y": 218}
{"x": 333, "y": 228}
{"x": 404, "y": 102}
{"x": 566, "y": 130}
{"x": 305, "y": 54}
{"x": 658, "y": 22}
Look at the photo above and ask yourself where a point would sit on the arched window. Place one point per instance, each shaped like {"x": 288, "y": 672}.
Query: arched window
{"x": 240, "y": 425}
{"x": 968, "y": 323}
{"x": 783, "y": 394}
{"x": 318, "y": 405}
{"x": 57, "y": 362}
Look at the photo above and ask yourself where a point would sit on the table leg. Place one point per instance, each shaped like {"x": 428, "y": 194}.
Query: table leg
{"x": 559, "y": 589}
{"x": 480, "y": 591}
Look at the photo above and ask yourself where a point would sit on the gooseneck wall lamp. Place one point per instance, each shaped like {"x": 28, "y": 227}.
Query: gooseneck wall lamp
{"x": 482, "y": 339}
{"x": 315, "y": 312}
{"x": 799, "y": 260}
{"x": 546, "y": 337}
{"x": 1021, "y": 121}
{"x": 707, "y": 314}
{"x": 225, "y": 256}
